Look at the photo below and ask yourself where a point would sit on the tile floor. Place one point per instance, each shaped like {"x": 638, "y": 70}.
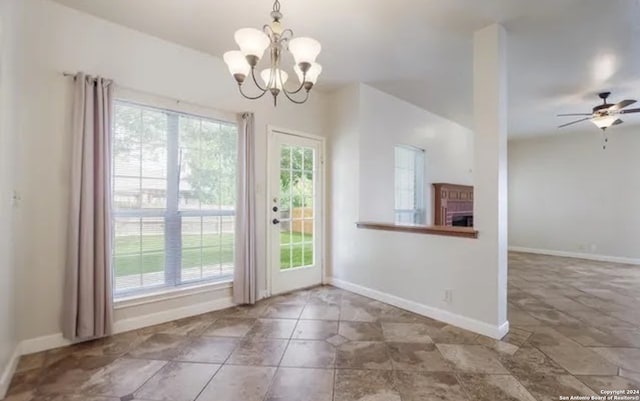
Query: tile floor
{"x": 575, "y": 329}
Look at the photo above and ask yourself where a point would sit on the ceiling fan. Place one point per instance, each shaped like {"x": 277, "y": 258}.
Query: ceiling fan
{"x": 604, "y": 115}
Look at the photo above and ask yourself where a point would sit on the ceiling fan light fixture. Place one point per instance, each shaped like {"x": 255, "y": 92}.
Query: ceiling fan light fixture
{"x": 604, "y": 122}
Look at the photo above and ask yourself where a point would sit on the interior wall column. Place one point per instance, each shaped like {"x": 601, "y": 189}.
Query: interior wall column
{"x": 490, "y": 156}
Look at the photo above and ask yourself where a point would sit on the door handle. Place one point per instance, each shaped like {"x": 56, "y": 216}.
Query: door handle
{"x": 275, "y": 221}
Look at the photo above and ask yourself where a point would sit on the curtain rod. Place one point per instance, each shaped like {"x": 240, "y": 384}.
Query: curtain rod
{"x": 155, "y": 95}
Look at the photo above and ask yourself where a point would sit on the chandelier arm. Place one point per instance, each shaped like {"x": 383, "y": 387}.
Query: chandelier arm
{"x": 251, "y": 97}
{"x": 286, "y": 36}
{"x": 295, "y": 91}
{"x": 296, "y": 101}
{"x": 255, "y": 81}
{"x": 268, "y": 30}
{"x": 285, "y": 90}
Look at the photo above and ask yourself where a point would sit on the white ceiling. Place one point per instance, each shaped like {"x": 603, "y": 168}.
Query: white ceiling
{"x": 560, "y": 52}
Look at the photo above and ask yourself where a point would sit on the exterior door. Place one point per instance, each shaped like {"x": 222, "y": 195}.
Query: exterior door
{"x": 295, "y": 211}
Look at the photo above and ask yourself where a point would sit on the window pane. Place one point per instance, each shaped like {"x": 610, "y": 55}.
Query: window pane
{"x": 153, "y": 194}
{"x": 126, "y": 254}
{"x": 174, "y": 196}
{"x": 139, "y": 256}
{"x": 285, "y": 257}
{"x": 409, "y": 185}
{"x": 208, "y": 162}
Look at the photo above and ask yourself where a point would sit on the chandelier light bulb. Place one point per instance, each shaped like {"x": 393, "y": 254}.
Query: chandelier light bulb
{"x": 253, "y": 42}
{"x": 312, "y": 74}
{"x": 305, "y": 50}
{"x": 273, "y": 82}
{"x": 237, "y": 64}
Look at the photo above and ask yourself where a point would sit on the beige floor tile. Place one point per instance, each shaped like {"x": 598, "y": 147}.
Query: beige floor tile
{"x": 451, "y": 335}
{"x": 159, "y": 346}
{"x": 208, "y": 349}
{"x": 417, "y": 357}
{"x": 406, "y": 332}
{"x": 297, "y": 384}
{"x": 429, "y": 386}
{"x": 272, "y": 328}
{"x": 365, "y": 385}
{"x": 363, "y": 355}
{"x": 579, "y": 360}
{"x": 494, "y": 388}
{"x": 66, "y": 375}
{"x": 321, "y": 312}
{"x": 550, "y": 388}
{"x": 283, "y": 311}
{"x": 361, "y": 331}
{"x": 598, "y": 383}
{"x": 230, "y": 327}
{"x": 529, "y": 361}
{"x": 626, "y": 358}
{"x": 239, "y": 383}
{"x": 177, "y": 381}
{"x": 258, "y": 352}
{"x": 315, "y": 330}
{"x": 121, "y": 378}
{"x": 309, "y": 354}
{"x": 472, "y": 359}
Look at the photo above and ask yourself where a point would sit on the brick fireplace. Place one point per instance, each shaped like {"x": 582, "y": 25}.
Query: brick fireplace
{"x": 453, "y": 205}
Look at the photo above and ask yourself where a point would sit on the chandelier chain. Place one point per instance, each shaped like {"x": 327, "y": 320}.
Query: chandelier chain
{"x": 276, "y": 6}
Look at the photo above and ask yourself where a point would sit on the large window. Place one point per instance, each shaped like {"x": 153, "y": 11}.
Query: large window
{"x": 174, "y": 198}
{"x": 409, "y": 185}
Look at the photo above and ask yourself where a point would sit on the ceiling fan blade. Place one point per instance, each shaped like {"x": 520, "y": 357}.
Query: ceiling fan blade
{"x": 574, "y": 122}
{"x": 574, "y": 114}
{"x": 617, "y": 122}
{"x": 621, "y": 105}
{"x": 629, "y": 111}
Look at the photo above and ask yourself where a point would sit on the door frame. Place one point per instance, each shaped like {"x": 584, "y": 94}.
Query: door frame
{"x": 271, "y": 130}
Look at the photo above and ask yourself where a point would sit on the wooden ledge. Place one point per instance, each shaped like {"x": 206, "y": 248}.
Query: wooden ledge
{"x": 464, "y": 232}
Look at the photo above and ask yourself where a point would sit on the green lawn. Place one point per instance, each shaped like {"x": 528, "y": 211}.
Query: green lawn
{"x": 216, "y": 249}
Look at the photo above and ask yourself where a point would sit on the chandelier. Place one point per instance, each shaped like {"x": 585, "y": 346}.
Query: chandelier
{"x": 253, "y": 43}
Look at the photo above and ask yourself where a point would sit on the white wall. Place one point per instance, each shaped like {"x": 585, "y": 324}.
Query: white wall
{"x": 413, "y": 267}
{"x": 58, "y": 39}
{"x": 9, "y": 12}
{"x": 568, "y": 194}
{"x": 387, "y": 121}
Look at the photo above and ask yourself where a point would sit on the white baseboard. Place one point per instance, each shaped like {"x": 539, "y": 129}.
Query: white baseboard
{"x": 466, "y": 323}
{"x": 577, "y": 255}
{"x": 52, "y": 341}
{"x": 139, "y": 322}
{"x": 7, "y": 373}
{"x": 43, "y": 343}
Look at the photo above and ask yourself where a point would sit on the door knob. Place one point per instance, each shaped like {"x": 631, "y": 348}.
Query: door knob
{"x": 275, "y": 208}
{"x": 275, "y": 221}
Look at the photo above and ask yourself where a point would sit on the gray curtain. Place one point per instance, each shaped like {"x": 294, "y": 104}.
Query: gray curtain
{"x": 244, "y": 277}
{"x": 88, "y": 298}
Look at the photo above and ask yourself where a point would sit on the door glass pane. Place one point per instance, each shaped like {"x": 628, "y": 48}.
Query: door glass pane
{"x": 297, "y": 169}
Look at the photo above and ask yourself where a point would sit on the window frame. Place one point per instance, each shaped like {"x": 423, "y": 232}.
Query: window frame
{"x": 172, "y": 271}
{"x": 419, "y": 212}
